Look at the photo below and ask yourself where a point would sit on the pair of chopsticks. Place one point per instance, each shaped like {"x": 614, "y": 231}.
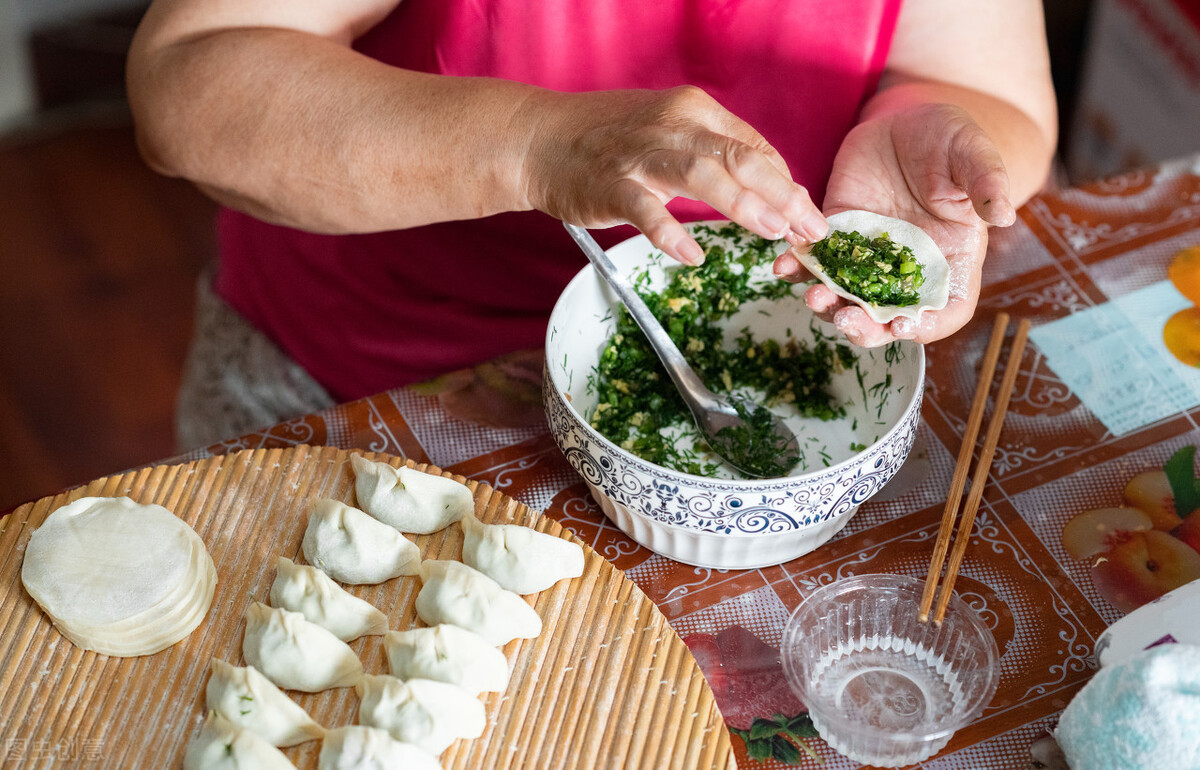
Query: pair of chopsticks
{"x": 962, "y": 466}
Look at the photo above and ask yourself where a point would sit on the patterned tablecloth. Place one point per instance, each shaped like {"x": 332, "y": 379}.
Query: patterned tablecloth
{"x": 1082, "y": 422}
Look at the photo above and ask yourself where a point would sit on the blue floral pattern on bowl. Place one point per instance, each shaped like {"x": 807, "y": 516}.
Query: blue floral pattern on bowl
{"x": 727, "y": 506}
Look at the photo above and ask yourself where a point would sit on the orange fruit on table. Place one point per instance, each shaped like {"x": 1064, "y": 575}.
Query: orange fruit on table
{"x": 1184, "y": 272}
{"x": 1181, "y": 333}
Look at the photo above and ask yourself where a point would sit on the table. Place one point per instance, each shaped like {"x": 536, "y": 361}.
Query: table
{"x": 1070, "y": 252}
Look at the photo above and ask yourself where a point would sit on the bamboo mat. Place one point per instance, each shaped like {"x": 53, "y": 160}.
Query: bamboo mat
{"x": 607, "y": 684}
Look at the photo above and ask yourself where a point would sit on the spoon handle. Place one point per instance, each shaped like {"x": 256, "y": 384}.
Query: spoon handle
{"x": 676, "y": 365}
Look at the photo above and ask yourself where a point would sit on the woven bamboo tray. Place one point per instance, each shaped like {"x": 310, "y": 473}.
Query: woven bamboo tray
{"x": 607, "y": 684}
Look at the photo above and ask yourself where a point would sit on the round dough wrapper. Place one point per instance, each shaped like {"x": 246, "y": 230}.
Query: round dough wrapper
{"x": 153, "y": 636}
{"x": 934, "y": 292}
{"x": 164, "y": 612}
{"x": 119, "y": 577}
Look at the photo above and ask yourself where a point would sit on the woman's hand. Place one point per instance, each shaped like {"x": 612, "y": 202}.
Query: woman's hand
{"x": 606, "y": 158}
{"x": 961, "y": 131}
{"x": 931, "y": 165}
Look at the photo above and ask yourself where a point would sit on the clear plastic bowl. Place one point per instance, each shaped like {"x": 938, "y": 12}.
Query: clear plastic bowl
{"x": 882, "y": 687}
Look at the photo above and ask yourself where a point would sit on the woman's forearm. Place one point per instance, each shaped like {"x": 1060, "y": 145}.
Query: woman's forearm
{"x": 303, "y": 131}
{"x": 989, "y": 58}
{"x": 267, "y": 107}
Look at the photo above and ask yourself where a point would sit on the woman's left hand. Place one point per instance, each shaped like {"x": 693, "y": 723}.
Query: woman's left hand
{"x": 931, "y": 165}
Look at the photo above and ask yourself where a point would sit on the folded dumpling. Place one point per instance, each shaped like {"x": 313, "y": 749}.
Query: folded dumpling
{"x": 465, "y": 597}
{"x": 358, "y": 747}
{"x": 520, "y": 559}
{"x": 407, "y": 499}
{"x": 430, "y": 715}
{"x": 355, "y": 548}
{"x": 312, "y": 593}
{"x": 221, "y": 744}
{"x": 447, "y": 654}
{"x": 248, "y": 699}
{"x": 296, "y": 653}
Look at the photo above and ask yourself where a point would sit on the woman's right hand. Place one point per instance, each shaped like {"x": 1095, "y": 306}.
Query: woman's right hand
{"x": 268, "y": 108}
{"x": 605, "y": 158}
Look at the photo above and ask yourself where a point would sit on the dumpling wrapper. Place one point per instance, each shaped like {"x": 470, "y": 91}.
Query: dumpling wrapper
{"x": 221, "y": 744}
{"x": 408, "y": 499}
{"x": 465, "y": 597}
{"x": 159, "y": 627}
{"x": 119, "y": 577}
{"x": 295, "y": 653}
{"x": 430, "y": 715}
{"x": 449, "y": 654}
{"x": 358, "y": 747}
{"x": 934, "y": 292}
{"x": 312, "y": 593}
{"x": 354, "y": 548}
{"x": 520, "y": 559}
{"x": 248, "y": 699}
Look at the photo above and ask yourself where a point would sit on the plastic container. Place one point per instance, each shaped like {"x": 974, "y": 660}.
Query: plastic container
{"x": 882, "y": 687}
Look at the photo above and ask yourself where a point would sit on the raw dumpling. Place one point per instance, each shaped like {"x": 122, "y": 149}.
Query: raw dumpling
{"x": 354, "y": 548}
{"x": 222, "y": 744}
{"x": 358, "y": 747}
{"x": 430, "y": 715}
{"x": 248, "y": 699}
{"x": 295, "y": 653}
{"x": 407, "y": 499}
{"x": 314, "y": 595}
{"x": 933, "y": 293}
{"x": 520, "y": 559}
{"x": 461, "y": 596}
{"x": 448, "y": 654}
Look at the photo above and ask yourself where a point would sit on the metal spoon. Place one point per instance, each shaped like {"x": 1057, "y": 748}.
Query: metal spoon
{"x": 747, "y": 435}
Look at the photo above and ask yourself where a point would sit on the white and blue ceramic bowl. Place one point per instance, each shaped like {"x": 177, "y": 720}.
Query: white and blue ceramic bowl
{"x": 730, "y": 523}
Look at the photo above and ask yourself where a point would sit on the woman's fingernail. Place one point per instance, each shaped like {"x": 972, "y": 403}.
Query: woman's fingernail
{"x": 815, "y": 227}
{"x": 690, "y": 251}
{"x": 786, "y": 264}
{"x": 773, "y": 223}
{"x": 998, "y": 211}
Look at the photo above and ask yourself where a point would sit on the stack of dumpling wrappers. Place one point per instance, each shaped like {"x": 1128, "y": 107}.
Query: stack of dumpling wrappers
{"x": 119, "y": 577}
{"x": 430, "y": 697}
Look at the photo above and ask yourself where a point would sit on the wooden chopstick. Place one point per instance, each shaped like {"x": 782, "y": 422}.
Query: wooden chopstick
{"x": 962, "y": 465}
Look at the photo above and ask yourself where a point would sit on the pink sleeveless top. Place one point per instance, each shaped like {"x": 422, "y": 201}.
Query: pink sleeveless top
{"x": 363, "y": 313}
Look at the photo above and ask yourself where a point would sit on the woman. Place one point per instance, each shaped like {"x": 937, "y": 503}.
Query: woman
{"x": 388, "y": 166}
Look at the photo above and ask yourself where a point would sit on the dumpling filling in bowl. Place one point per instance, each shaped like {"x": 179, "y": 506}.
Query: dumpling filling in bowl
{"x": 746, "y": 332}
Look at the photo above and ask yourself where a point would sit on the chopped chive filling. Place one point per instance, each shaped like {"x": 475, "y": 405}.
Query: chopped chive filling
{"x": 878, "y": 269}
{"x": 638, "y": 407}
{"x": 755, "y": 444}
